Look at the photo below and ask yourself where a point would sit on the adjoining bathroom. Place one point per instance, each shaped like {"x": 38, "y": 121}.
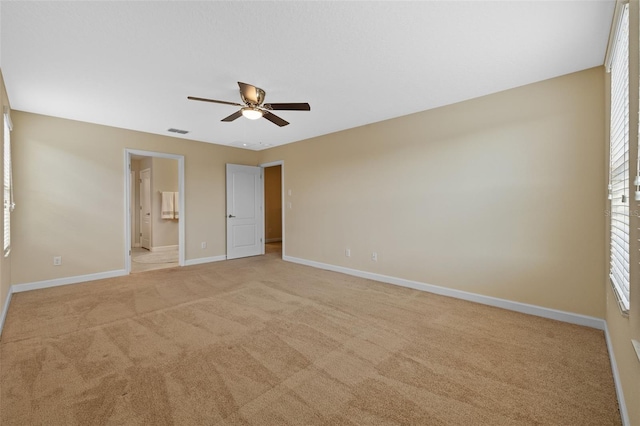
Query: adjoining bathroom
{"x": 155, "y": 214}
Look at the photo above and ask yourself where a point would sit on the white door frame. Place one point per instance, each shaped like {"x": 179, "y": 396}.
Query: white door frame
{"x": 127, "y": 202}
{"x": 132, "y": 180}
{"x": 264, "y": 212}
{"x": 141, "y": 213}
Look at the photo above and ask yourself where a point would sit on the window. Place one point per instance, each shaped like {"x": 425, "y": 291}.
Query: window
{"x": 619, "y": 160}
{"x": 8, "y": 185}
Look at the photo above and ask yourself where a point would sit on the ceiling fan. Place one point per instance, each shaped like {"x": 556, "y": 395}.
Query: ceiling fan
{"x": 253, "y": 106}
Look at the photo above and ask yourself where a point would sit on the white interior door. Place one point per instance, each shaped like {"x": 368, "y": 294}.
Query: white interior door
{"x": 145, "y": 210}
{"x": 245, "y": 193}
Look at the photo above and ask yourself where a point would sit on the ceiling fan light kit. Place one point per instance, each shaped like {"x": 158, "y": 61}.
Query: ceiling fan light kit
{"x": 253, "y": 106}
{"x": 252, "y": 113}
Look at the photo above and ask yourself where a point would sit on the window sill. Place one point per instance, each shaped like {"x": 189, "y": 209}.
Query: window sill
{"x": 624, "y": 310}
{"x": 636, "y": 346}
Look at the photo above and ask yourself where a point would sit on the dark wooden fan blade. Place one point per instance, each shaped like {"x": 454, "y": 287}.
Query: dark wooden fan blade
{"x": 289, "y": 107}
{"x": 233, "y": 116}
{"x": 249, "y": 92}
{"x": 193, "y": 98}
{"x": 275, "y": 119}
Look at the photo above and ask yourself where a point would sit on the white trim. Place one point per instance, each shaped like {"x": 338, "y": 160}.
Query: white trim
{"x": 616, "y": 379}
{"x": 540, "y": 311}
{"x": 164, "y": 248}
{"x": 613, "y": 33}
{"x": 132, "y": 180}
{"x": 636, "y": 347}
{"x": 144, "y": 174}
{"x": 487, "y": 300}
{"x": 524, "y": 308}
{"x": 18, "y": 288}
{"x": 205, "y": 260}
{"x": 272, "y": 164}
{"x": 5, "y": 309}
{"x": 127, "y": 210}
{"x": 272, "y": 240}
{"x": 181, "y": 201}
{"x": 7, "y": 113}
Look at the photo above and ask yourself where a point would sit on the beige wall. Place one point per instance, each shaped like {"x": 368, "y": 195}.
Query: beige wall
{"x": 69, "y": 186}
{"x": 5, "y": 262}
{"x": 624, "y": 328}
{"x": 500, "y": 196}
{"x": 164, "y": 177}
{"x": 273, "y": 203}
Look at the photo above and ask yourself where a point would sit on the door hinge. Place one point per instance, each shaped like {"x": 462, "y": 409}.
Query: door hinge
{"x": 140, "y": 207}
{"x": 260, "y": 239}
{"x": 141, "y": 234}
{"x": 129, "y": 252}
{"x": 140, "y": 180}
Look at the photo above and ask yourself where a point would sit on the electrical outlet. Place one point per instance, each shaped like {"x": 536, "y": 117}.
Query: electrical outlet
{"x": 347, "y": 252}
{"x": 57, "y": 260}
{"x": 203, "y": 245}
{"x": 374, "y": 256}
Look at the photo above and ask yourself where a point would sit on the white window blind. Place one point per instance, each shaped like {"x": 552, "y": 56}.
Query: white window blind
{"x": 619, "y": 161}
{"x": 8, "y": 185}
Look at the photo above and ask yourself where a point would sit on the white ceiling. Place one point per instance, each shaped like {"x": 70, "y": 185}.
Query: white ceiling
{"x": 133, "y": 64}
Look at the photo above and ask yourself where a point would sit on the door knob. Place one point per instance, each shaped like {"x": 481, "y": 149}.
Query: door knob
{"x": 231, "y": 215}
{"x": 148, "y": 214}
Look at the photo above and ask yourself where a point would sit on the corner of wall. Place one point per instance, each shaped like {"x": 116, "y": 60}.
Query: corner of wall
{"x": 5, "y": 262}
{"x": 5, "y": 310}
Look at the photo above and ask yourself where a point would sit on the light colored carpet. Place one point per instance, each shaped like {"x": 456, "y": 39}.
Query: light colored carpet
{"x": 260, "y": 341}
{"x": 157, "y": 257}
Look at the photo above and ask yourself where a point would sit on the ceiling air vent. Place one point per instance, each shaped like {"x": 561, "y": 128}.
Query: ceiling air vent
{"x": 182, "y": 132}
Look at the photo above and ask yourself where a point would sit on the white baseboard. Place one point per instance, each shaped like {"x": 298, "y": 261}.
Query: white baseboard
{"x": 163, "y": 248}
{"x": 616, "y": 379}
{"x": 5, "y": 309}
{"x": 17, "y": 288}
{"x": 525, "y": 308}
{"x": 204, "y": 260}
{"x": 273, "y": 240}
{"x": 569, "y": 317}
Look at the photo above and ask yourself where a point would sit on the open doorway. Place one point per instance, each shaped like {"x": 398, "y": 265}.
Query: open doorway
{"x": 273, "y": 208}
{"x": 155, "y": 211}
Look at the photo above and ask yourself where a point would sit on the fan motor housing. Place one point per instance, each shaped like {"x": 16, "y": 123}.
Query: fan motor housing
{"x": 260, "y": 94}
